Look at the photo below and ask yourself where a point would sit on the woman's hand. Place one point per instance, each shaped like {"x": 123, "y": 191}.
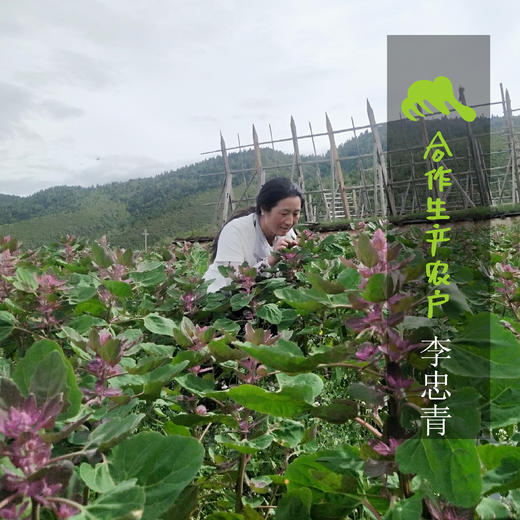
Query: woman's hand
{"x": 281, "y": 243}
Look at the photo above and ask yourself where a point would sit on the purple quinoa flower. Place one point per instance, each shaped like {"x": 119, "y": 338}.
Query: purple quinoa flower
{"x": 385, "y": 449}
{"x": 29, "y": 418}
{"x": 189, "y": 300}
{"x": 366, "y": 351}
{"x": 396, "y": 348}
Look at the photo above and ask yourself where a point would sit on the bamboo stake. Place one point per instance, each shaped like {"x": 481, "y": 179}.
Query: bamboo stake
{"x": 337, "y": 168}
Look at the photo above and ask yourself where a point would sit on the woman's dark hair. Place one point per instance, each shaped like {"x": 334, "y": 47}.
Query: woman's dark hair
{"x": 273, "y": 191}
{"x": 270, "y": 194}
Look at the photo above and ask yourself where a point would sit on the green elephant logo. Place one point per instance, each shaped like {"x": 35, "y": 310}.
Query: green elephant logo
{"x": 437, "y": 92}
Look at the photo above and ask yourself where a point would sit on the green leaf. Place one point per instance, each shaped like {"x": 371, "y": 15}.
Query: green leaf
{"x": 306, "y": 386}
{"x": 270, "y": 313}
{"x": 366, "y": 393}
{"x": 159, "y": 325}
{"x": 485, "y": 349}
{"x": 491, "y": 509}
{"x": 503, "y": 478}
{"x": 82, "y": 324}
{"x": 288, "y": 357}
{"x": 289, "y": 316}
{"x": 96, "y": 478}
{"x": 243, "y": 445}
{"x": 451, "y": 466}
{"x": 306, "y": 301}
{"x": 349, "y": 278}
{"x": 225, "y": 516}
{"x": 81, "y": 292}
{"x": 503, "y": 465}
{"x": 7, "y": 321}
{"x": 125, "y": 257}
{"x": 323, "y": 285}
{"x": 492, "y": 455}
{"x": 289, "y": 433}
{"x": 197, "y": 385}
{"x": 123, "y": 502}
{"x": 376, "y": 289}
{"x": 24, "y": 280}
{"x": 9, "y": 395}
{"x": 465, "y": 414}
{"x": 151, "y": 383}
{"x": 338, "y": 412}
{"x": 163, "y": 466}
{"x": 345, "y": 460}
{"x": 191, "y": 419}
{"x": 56, "y": 368}
{"x": 94, "y": 307}
{"x": 49, "y": 378}
{"x": 99, "y": 256}
{"x": 365, "y": 251}
{"x": 307, "y": 472}
{"x": 295, "y": 505}
{"x": 226, "y": 325}
{"x": 149, "y": 278}
{"x": 110, "y": 433}
{"x": 504, "y": 402}
{"x": 157, "y": 350}
{"x": 281, "y": 404}
{"x": 239, "y": 301}
{"x": 457, "y": 303}
{"x": 408, "y": 509}
{"x": 176, "y": 429}
{"x": 122, "y": 290}
{"x": 222, "y": 351}
{"x": 184, "y": 506}
{"x": 154, "y": 381}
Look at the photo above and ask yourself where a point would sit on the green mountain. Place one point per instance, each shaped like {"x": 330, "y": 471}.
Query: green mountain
{"x": 183, "y": 203}
{"x": 170, "y": 205}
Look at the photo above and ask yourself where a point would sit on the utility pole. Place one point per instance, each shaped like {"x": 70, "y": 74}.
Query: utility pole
{"x": 145, "y": 239}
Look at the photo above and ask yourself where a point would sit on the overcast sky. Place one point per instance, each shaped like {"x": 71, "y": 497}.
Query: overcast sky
{"x": 94, "y": 91}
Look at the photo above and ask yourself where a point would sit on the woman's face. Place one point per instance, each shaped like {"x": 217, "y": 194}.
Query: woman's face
{"x": 282, "y": 217}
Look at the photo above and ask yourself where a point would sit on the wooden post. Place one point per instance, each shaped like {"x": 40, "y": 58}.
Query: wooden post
{"x": 260, "y": 173}
{"x": 504, "y": 182}
{"x": 366, "y": 202}
{"x": 299, "y": 167}
{"x": 332, "y": 188}
{"x": 242, "y": 166}
{"x": 515, "y": 180}
{"x": 378, "y": 184}
{"x": 413, "y": 180}
{"x": 271, "y": 134}
{"x": 337, "y": 169}
{"x": 318, "y": 175}
{"x": 228, "y": 193}
{"x": 482, "y": 180}
{"x": 381, "y": 160}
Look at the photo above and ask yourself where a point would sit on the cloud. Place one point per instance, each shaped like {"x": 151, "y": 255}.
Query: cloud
{"x": 10, "y": 28}
{"x": 30, "y": 176}
{"x": 18, "y": 104}
{"x": 15, "y": 102}
{"x": 82, "y": 70}
{"x": 203, "y": 119}
{"x": 116, "y": 168}
{"x": 59, "y": 110}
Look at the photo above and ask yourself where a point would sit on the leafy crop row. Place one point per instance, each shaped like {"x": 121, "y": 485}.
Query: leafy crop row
{"x": 127, "y": 392}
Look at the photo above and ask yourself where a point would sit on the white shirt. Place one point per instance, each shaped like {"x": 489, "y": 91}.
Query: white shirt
{"x": 241, "y": 240}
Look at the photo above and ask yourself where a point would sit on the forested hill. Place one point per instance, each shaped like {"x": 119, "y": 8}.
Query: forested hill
{"x": 171, "y": 205}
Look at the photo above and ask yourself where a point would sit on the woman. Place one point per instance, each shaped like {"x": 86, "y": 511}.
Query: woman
{"x": 254, "y": 234}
